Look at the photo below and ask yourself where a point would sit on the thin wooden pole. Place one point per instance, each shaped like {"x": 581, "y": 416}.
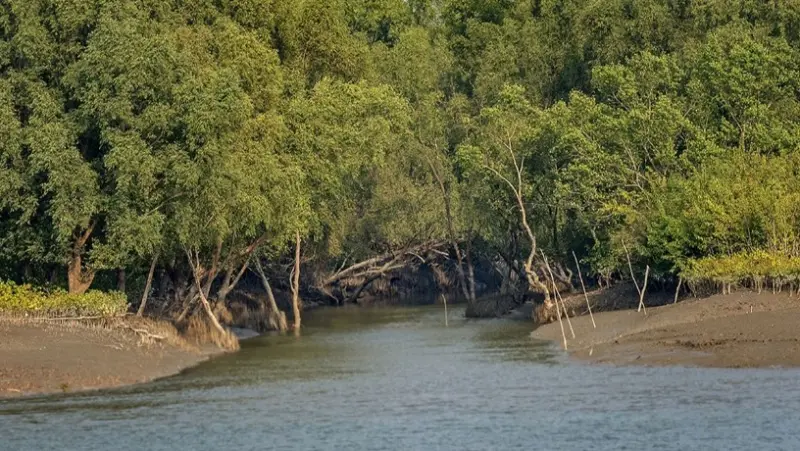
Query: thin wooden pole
{"x": 566, "y": 314}
{"x": 147, "y": 285}
{"x": 444, "y": 300}
{"x": 561, "y": 323}
{"x": 678, "y": 290}
{"x": 558, "y": 295}
{"x": 586, "y": 296}
{"x": 641, "y": 295}
{"x": 630, "y": 267}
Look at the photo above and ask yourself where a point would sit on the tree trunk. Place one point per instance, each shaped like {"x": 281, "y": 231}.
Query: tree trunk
{"x": 470, "y": 272}
{"x": 231, "y": 279}
{"x": 530, "y": 271}
{"x": 210, "y": 313}
{"x": 226, "y": 287}
{"x": 203, "y": 300}
{"x": 563, "y": 275}
{"x": 164, "y": 282}
{"x": 462, "y": 279}
{"x": 121, "y": 280}
{"x": 179, "y": 283}
{"x": 554, "y": 226}
{"x": 295, "y": 283}
{"x": 78, "y": 279}
{"x": 366, "y": 264}
{"x": 354, "y": 297}
{"x": 212, "y": 273}
{"x": 147, "y": 285}
{"x": 276, "y": 318}
{"x": 535, "y": 283}
{"x": 187, "y": 307}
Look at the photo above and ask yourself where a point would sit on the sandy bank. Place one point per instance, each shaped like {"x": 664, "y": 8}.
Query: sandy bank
{"x": 46, "y": 356}
{"x": 738, "y": 330}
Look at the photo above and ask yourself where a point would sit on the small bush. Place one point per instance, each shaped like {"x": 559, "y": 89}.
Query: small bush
{"x": 757, "y": 267}
{"x": 26, "y": 299}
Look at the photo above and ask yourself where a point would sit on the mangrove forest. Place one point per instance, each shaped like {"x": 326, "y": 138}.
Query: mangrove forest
{"x": 177, "y": 157}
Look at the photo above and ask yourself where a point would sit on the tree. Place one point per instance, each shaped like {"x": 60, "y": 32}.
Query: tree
{"x": 498, "y": 154}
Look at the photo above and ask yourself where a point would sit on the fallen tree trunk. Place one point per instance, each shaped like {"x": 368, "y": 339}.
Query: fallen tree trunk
{"x": 375, "y": 261}
{"x": 360, "y": 275}
{"x": 380, "y": 273}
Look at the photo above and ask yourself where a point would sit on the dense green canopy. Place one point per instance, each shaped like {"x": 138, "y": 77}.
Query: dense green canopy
{"x": 134, "y": 130}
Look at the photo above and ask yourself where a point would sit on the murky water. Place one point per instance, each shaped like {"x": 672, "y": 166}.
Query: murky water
{"x": 398, "y": 379}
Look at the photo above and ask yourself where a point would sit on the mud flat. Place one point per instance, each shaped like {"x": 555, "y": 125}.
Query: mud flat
{"x": 40, "y": 356}
{"x": 739, "y": 330}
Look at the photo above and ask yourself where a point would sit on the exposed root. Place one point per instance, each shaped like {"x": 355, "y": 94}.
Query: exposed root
{"x": 146, "y": 337}
{"x": 618, "y": 297}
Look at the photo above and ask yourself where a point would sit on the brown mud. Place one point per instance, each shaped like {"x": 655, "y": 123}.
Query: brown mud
{"x": 46, "y": 356}
{"x": 738, "y": 330}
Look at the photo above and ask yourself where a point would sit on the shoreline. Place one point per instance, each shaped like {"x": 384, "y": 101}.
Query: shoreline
{"x": 40, "y": 357}
{"x": 739, "y": 330}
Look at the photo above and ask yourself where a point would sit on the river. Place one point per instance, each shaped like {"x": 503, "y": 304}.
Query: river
{"x": 397, "y": 378}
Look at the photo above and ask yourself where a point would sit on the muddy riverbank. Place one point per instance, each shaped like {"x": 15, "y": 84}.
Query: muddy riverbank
{"x": 41, "y": 356}
{"x": 739, "y": 330}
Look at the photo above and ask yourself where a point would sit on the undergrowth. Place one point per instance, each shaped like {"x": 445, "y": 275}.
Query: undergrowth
{"x": 26, "y": 299}
{"x": 758, "y": 268}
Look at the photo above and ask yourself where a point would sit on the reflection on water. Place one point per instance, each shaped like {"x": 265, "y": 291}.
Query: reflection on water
{"x": 391, "y": 378}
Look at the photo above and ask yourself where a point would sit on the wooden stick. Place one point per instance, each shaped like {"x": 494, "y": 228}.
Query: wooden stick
{"x": 558, "y": 296}
{"x": 564, "y": 306}
{"x": 147, "y": 285}
{"x": 560, "y": 323}
{"x": 678, "y": 290}
{"x": 444, "y": 299}
{"x": 630, "y": 267}
{"x": 641, "y": 295}
{"x": 146, "y": 333}
{"x": 580, "y": 276}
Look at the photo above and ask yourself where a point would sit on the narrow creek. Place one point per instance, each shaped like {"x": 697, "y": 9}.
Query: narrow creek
{"x": 396, "y": 378}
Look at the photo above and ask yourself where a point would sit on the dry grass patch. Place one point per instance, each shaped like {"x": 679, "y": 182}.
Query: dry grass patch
{"x": 195, "y": 333}
{"x": 200, "y": 331}
{"x": 147, "y": 331}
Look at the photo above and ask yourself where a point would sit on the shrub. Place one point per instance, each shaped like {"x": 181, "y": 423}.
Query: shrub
{"x": 757, "y": 267}
{"x": 26, "y": 299}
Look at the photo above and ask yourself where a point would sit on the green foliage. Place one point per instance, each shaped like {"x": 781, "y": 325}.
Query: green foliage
{"x": 135, "y": 129}
{"x": 758, "y": 266}
{"x": 27, "y": 300}
{"x": 737, "y": 205}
